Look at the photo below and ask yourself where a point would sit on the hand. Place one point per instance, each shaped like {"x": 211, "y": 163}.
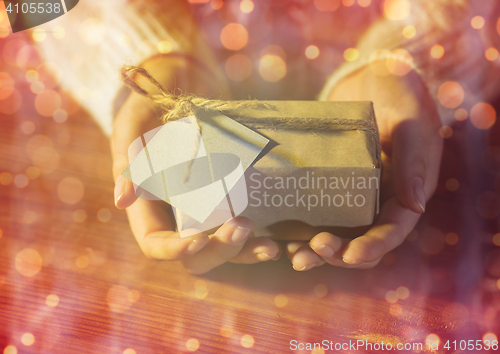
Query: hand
{"x": 152, "y": 222}
{"x": 411, "y": 154}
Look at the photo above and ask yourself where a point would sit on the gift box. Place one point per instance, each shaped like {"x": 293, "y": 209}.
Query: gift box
{"x": 295, "y": 168}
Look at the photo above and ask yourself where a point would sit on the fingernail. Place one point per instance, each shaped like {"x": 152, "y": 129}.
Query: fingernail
{"x": 119, "y": 189}
{"x": 240, "y": 234}
{"x": 351, "y": 261}
{"x": 324, "y": 251}
{"x": 419, "y": 193}
{"x": 304, "y": 268}
{"x": 263, "y": 257}
{"x": 195, "y": 246}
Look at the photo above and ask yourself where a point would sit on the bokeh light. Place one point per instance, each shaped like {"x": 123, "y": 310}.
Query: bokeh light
{"x": 477, "y": 22}
{"x": 117, "y": 299}
{"x": 490, "y": 337}
{"x": 60, "y": 115}
{"x": 58, "y": 32}
{"x": 400, "y": 62}
{"x": 391, "y": 296}
{"x": 200, "y": 289}
{"x": 10, "y": 349}
{"x": 28, "y": 262}
{"x": 234, "y": 36}
{"x": 79, "y": 215}
{"x": 403, "y": 292}
{"x": 40, "y": 149}
{"x": 395, "y": 310}
{"x": 351, "y": 54}
{"x": 496, "y": 239}
{"x": 437, "y": 51}
{"x": 246, "y": 6}
{"x": 247, "y": 341}
{"x": 6, "y": 85}
{"x": 30, "y": 217}
{"x": 445, "y": 131}
{"x": 378, "y": 62}
{"x": 451, "y": 94}
{"x": 312, "y": 52}
{"x": 192, "y": 344}
{"x": 272, "y": 67}
{"x": 409, "y": 31}
{"x": 364, "y": 3}
{"x": 238, "y": 67}
{"x": 133, "y": 296}
{"x": 47, "y": 102}
{"x": 280, "y": 300}
{"x": 397, "y": 9}
{"x": 28, "y": 339}
{"x": 320, "y": 290}
{"x": 348, "y": 3}
{"x": 104, "y": 215}
{"x": 52, "y": 300}
{"x": 82, "y": 262}
{"x": 21, "y": 180}
{"x": 432, "y": 341}
{"x": 129, "y": 351}
{"x": 165, "y": 47}
{"x": 452, "y": 184}
{"x": 6, "y": 178}
{"x": 28, "y": 127}
{"x": 38, "y": 35}
{"x": 451, "y": 238}
{"x": 491, "y": 54}
{"x": 216, "y": 4}
{"x": 70, "y": 190}
{"x": 461, "y": 114}
{"x": 92, "y": 31}
{"x": 483, "y": 115}
{"x": 327, "y": 5}
{"x": 11, "y": 103}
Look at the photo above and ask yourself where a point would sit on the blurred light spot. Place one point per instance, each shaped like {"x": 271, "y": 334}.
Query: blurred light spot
{"x": 200, "y": 289}
{"x": 491, "y": 337}
{"x": 451, "y": 238}
{"x": 498, "y": 26}
{"x": 491, "y": 54}
{"x": 445, "y": 132}
{"x": 6, "y": 178}
{"x": 27, "y": 127}
{"x": 60, "y": 116}
{"x": 451, "y": 94}
{"x": 403, "y": 292}
{"x": 246, "y": 6}
{"x": 58, "y": 32}
{"x": 1, "y": 234}
{"x": 70, "y": 190}
{"x": 4, "y": 31}
{"x": 129, "y": 351}
{"x": 327, "y": 5}
{"x": 104, "y": 215}
{"x": 351, "y": 54}
{"x": 312, "y": 52}
{"x": 498, "y": 284}
{"x": 431, "y": 340}
{"x": 28, "y": 262}
{"x": 133, "y": 296}
{"x": 216, "y": 4}
{"x": 82, "y": 262}
{"x": 461, "y": 114}
{"x": 192, "y": 344}
{"x": 477, "y": 22}
{"x": 348, "y": 3}
{"x": 431, "y": 241}
{"x": 30, "y": 217}
{"x": 280, "y": 300}
{"x": 10, "y": 349}
{"x": 6, "y": 85}
{"x": 117, "y": 299}
{"x": 92, "y": 31}
{"x": 400, "y": 62}
{"x": 39, "y": 35}
{"x": 272, "y": 68}
{"x": 437, "y": 51}
{"x": 234, "y": 36}
{"x": 496, "y": 239}
{"x": 27, "y": 339}
{"x": 317, "y": 351}
{"x": 41, "y": 151}
{"x": 409, "y": 32}
{"x": 482, "y": 115}
{"x": 238, "y": 67}
{"x": 12, "y": 103}
{"x": 247, "y": 341}
{"x": 21, "y": 181}
{"x": 52, "y": 300}
{"x": 274, "y": 50}
{"x": 320, "y": 290}
{"x": 198, "y": 1}
{"x": 47, "y": 102}
{"x": 79, "y": 215}
{"x": 391, "y": 297}
{"x": 11, "y": 49}
{"x": 49, "y": 74}
{"x": 31, "y": 76}
{"x": 37, "y": 87}
{"x": 226, "y": 331}
{"x": 28, "y": 57}
{"x": 397, "y": 9}
{"x": 488, "y": 205}
{"x": 395, "y": 310}
{"x": 378, "y": 62}
{"x": 165, "y": 47}
{"x": 452, "y": 184}
{"x": 364, "y": 3}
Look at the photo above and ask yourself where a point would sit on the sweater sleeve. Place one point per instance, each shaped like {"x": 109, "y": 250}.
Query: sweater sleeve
{"x": 102, "y": 36}
{"x": 443, "y": 27}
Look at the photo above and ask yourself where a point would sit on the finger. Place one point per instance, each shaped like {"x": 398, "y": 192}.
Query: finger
{"x": 292, "y": 247}
{"x": 414, "y": 141}
{"x": 224, "y": 245}
{"x": 305, "y": 258}
{"x": 394, "y": 224}
{"x": 258, "y": 249}
{"x": 152, "y": 226}
{"x": 135, "y": 118}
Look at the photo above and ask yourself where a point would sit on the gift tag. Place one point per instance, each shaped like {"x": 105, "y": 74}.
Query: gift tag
{"x": 24, "y": 14}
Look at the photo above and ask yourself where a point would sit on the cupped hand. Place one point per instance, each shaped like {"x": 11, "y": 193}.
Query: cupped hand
{"x": 151, "y": 221}
{"x": 411, "y": 154}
